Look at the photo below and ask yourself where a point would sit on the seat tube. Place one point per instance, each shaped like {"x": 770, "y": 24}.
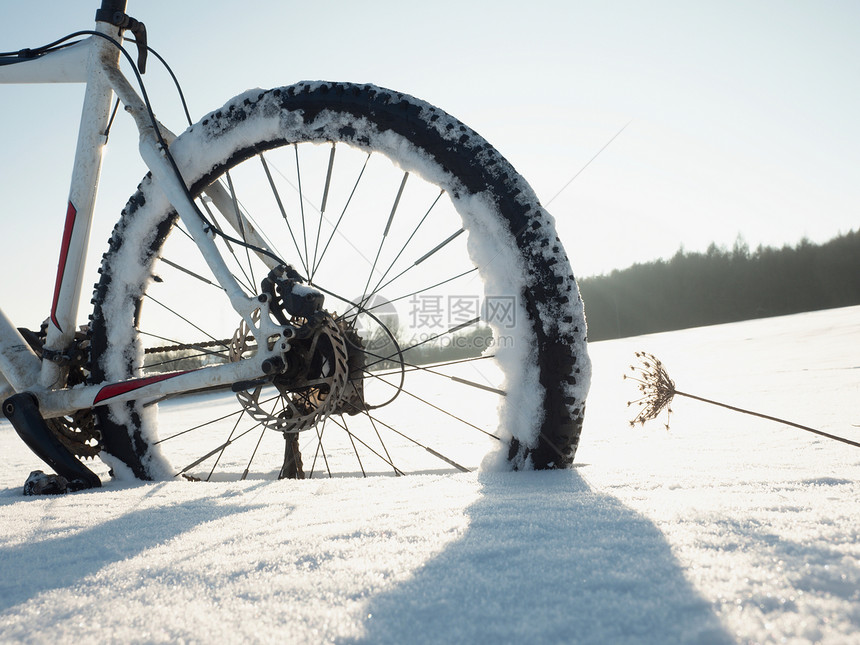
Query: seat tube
{"x": 82, "y": 196}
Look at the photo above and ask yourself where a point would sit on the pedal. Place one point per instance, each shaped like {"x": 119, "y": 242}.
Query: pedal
{"x": 23, "y": 411}
{"x": 39, "y": 483}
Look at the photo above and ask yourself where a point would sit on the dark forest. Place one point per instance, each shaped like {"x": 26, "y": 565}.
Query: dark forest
{"x": 723, "y": 285}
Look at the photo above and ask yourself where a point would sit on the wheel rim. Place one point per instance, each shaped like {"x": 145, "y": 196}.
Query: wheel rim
{"x": 389, "y": 252}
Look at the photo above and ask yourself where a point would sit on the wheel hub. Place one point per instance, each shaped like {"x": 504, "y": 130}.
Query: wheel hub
{"x": 321, "y": 374}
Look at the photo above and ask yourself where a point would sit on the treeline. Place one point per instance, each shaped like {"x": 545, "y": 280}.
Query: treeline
{"x": 382, "y": 353}
{"x": 182, "y": 359}
{"x": 467, "y": 343}
{"x": 723, "y": 285}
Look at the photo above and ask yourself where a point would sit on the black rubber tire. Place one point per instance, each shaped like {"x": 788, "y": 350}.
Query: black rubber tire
{"x": 450, "y": 154}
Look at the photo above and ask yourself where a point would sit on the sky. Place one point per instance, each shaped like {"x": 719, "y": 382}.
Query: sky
{"x": 735, "y": 118}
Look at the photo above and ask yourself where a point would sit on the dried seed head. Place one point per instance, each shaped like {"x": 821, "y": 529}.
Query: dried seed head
{"x": 656, "y": 386}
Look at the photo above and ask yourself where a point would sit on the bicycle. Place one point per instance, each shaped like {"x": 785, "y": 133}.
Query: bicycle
{"x": 295, "y": 334}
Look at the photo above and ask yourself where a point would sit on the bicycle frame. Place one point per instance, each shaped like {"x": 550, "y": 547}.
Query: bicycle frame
{"x": 95, "y": 61}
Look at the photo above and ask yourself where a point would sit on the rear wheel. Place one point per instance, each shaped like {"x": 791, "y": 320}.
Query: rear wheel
{"x": 452, "y": 324}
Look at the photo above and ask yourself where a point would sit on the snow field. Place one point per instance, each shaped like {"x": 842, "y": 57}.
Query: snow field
{"x": 723, "y": 529}
{"x": 762, "y": 517}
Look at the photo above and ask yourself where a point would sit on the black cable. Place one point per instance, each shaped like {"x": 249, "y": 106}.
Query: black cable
{"x": 112, "y": 117}
{"x": 172, "y": 76}
{"x": 26, "y": 54}
{"x": 165, "y": 148}
{"x": 388, "y": 332}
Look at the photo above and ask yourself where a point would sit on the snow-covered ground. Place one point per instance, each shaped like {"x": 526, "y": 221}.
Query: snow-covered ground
{"x": 725, "y": 528}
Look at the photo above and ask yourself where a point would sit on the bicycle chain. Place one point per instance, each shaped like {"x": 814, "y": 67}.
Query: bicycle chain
{"x": 188, "y": 346}
{"x": 79, "y": 433}
{"x": 301, "y": 410}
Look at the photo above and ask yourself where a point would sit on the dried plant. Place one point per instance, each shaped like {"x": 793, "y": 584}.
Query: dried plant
{"x": 655, "y": 386}
{"x": 657, "y": 391}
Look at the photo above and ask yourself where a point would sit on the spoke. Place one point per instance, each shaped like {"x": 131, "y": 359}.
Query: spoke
{"x": 277, "y": 196}
{"x": 439, "y": 246}
{"x": 248, "y": 284}
{"x": 257, "y": 447}
{"x": 205, "y": 204}
{"x": 363, "y": 443}
{"x": 352, "y": 245}
{"x": 354, "y": 449}
{"x": 427, "y": 368}
{"x": 207, "y": 423}
{"x": 179, "y": 267}
{"x": 229, "y": 437}
{"x": 433, "y": 286}
{"x": 413, "y": 367}
{"x": 196, "y": 462}
{"x": 365, "y": 297}
{"x": 320, "y": 449}
{"x": 457, "y": 379}
{"x": 255, "y": 230}
{"x": 405, "y": 244}
{"x": 486, "y": 388}
{"x": 306, "y": 256}
{"x": 452, "y": 330}
{"x": 323, "y": 205}
{"x": 339, "y": 219}
{"x": 177, "y": 226}
{"x": 381, "y": 442}
{"x": 240, "y": 220}
{"x": 354, "y": 306}
{"x": 417, "y": 443}
{"x": 197, "y": 427}
{"x": 253, "y": 454}
{"x": 191, "y": 273}
{"x": 442, "y": 410}
{"x": 183, "y": 318}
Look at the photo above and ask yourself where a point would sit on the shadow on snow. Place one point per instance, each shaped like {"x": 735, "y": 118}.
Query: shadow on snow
{"x": 65, "y": 561}
{"x": 547, "y": 559}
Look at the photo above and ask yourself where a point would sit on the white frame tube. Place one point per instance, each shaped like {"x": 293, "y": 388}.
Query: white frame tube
{"x": 66, "y": 65}
{"x": 82, "y": 196}
{"x": 95, "y": 61}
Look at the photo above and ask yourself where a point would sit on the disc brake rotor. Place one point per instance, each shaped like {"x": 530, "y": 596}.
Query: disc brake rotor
{"x": 315, "y": 384}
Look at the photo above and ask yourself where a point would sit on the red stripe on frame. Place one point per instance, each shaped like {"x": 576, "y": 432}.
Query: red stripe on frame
{"x": 71, "y": 214}
{"x": 110, "y": 391}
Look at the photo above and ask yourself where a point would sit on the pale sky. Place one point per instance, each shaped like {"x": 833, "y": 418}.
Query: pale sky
{"x": 743, "y": 116}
